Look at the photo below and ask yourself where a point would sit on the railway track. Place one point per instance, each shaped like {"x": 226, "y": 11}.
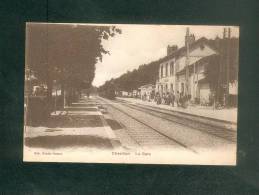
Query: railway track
{"x": 146, "y": 135}
{"x": 226, "y": 134}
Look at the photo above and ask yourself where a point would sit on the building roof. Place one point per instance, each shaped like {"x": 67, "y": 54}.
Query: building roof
{"x": 146, "y": 86}
{"x": 194, "y": 60}
{"x": 181, "y": 51}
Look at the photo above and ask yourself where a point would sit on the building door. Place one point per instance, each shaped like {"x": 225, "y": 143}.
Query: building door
{"x": 162, "y": 89}
{"x": 182, "y": 88}
{"x": 204, "y": 93}
{"x": 172, "y": 87}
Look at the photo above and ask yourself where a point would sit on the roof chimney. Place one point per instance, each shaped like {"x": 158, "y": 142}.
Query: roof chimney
{"x": 171, "y": 49}
{"x": 189, "y": 38}
{"x": 229, "y": 33}
{"x": 224, "y": 33}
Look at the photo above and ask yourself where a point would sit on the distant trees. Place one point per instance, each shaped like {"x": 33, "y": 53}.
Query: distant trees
{"x": 212, "y": 71}
{"x": 66, "y": 53}
{"x": 228, "y": 50}
{"x": 145, "y": 74}
{"x": 222, "y": 69}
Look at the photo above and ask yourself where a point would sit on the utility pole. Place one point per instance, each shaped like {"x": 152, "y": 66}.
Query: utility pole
{"x": 26, "y": 78}
{"x": 224, "y": 65}
{"x": 55, "y": 85}
{"x": 219, "y": 83}
{"x": 228, "y": 65}
{"x": 194, "y": 81}
{"x": 187, "y": 39}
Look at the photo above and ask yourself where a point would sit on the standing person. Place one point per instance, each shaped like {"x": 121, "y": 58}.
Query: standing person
{"x": 152, "y": 96}
{"x": 167, "y": 98}
{"x": 163, "y": 98}
{"x": 158, "y": 99}
{"x": 172, "y": 98}
{"x": 177, "y": 98}
{"x": 181, "y": 99}
{"x": 145, "y": 96}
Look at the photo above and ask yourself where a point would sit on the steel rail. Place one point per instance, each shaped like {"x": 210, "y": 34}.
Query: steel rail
{"x": 141, "y": 108}
{"x": 154, "y": 129}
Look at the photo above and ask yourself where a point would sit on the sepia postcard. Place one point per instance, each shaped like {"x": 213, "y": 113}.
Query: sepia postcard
{"x": 125, "y": 93}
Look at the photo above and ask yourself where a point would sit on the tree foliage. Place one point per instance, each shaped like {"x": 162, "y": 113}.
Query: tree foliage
{"x": 223, "y": 68}
{"x": 212, "y": 71}
{"x": 228, "y": 50}
{"x": 66, "y": 53}
{"x": 145, "y": 74}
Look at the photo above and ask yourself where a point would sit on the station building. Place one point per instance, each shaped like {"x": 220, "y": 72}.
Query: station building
{"x": 147, "y": 92}
{"x": 194, "y": 56}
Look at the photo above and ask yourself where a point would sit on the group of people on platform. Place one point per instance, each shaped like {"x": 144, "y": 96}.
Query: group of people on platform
{"x": 148, "y": 97}
{"x": 170, "y": 98}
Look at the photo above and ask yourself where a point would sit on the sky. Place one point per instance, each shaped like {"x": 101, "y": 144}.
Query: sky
{"x": 141, "y": 44}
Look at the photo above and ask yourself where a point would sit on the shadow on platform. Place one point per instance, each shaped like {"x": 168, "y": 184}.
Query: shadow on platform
{"x": 62, "y": 141}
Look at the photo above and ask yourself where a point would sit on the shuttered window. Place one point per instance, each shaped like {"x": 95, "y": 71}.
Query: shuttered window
{"x": 166, "y": 70}
{"x": 172, "y": 68}
{"x": 161, "y": 71}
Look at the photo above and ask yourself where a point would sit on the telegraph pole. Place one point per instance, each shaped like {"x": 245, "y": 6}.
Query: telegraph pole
{"x": 224, "y": 65}
{"x": 228, "y": 65}
{"x": 219, "y": 83}
{"x": 187, "y": 62}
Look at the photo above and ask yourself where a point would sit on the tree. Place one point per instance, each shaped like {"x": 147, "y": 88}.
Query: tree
{"x": 66, "y": 53}
{"x": 211, "y": 71}
{"x": 145, "y": 74}
{"x": 216, "y": 72}
{"x": 221, "y": 46}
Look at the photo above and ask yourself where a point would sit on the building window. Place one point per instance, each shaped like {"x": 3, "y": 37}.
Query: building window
{"x": 161, "y": 71}
{"x": 172, "y": 68}
{"x": 172, "y": 87}
{"x": 176, "y": 66}
{"x": 166, "y": 70}
{"x": 182, "y": 88}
